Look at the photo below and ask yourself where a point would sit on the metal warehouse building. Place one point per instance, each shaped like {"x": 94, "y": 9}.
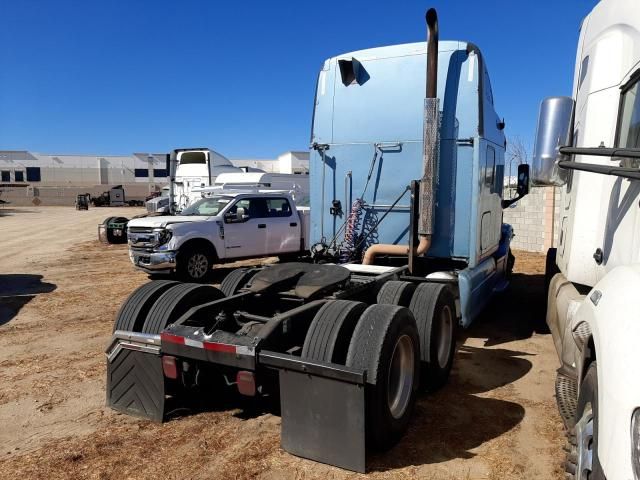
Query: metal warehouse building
{"x": 28, "y": 178}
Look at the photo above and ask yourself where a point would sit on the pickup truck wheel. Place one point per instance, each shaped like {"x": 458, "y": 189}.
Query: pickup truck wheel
{"x": 175, "y": 302}
{"x": 582, "y": 459}
{"x": 236, "y": 280}
{"x": 433, "y": 306}
{"x": 194, "y": 264}
{"x": 135, "y": 308}
{"x": 330, "y": 331}
{"x": 386, "y": 345}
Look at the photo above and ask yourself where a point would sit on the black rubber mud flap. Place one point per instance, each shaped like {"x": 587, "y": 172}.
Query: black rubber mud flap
{"x": 322, "y": 410}
{"x": 135, "y": 381}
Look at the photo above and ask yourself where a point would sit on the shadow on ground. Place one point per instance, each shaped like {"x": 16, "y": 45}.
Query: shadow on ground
{"x": 7, "y": 211}
{"x": 16, "y": 290}
{"x": 449, "y": 423}
{"x": 515, "y": 314}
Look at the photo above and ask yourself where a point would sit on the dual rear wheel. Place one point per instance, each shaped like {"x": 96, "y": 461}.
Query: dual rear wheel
{"x": 404, "y": 341}
{"x": 434, "y": 309}
{"x": 156, "y": 304}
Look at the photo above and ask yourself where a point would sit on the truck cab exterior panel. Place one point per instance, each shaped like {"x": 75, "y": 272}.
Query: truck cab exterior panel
{"x": 380, "y": 112}
{"x": 608, "y": 55}
{"x": 592, "y": 302}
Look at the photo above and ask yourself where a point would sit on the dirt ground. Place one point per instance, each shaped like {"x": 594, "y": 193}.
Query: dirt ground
{"x": 59, "y": 292}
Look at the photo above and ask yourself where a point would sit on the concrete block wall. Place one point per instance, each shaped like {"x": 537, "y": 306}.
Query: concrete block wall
{"x": 533, "y": 218}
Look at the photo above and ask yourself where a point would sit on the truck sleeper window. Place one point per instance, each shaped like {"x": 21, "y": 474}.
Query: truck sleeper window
{"x": 629, "y": 124}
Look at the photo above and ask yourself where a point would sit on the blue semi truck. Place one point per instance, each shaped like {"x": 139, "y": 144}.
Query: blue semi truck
{"x": 408, "y": 246}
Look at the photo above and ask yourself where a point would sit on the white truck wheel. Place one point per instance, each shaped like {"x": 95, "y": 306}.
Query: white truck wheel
{"x": 582, "y": 459}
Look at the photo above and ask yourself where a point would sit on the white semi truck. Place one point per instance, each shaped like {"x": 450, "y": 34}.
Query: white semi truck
{"x": 589, "y": 145}
{"x": 189, "y": 168}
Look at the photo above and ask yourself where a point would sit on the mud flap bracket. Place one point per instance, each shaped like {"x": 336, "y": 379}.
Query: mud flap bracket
{"x": 323, "y": 410}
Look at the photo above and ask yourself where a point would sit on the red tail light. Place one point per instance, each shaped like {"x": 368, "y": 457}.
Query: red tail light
{"x": 246, "y": 383}
{"x": 169, "y": 367}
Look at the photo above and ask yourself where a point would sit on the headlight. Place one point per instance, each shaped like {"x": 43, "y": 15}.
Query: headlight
{"x": 635, "y": 443}
{"x": 163, "y": 236}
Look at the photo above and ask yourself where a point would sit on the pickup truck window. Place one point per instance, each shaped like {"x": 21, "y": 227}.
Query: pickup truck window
{"x": 279, "y": 207}
{"x": 263, "y": 207}
{"x": 207, "y": 206}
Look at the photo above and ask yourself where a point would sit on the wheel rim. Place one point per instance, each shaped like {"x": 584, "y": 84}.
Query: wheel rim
{"x": 445, "y": 336}
{"x": 401, "y": 372}
{"x": 197, "y": 265}
{"x": 584, "y": 440}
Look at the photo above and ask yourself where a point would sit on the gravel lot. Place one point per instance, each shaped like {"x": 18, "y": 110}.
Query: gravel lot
{"x": 59, "y": 292}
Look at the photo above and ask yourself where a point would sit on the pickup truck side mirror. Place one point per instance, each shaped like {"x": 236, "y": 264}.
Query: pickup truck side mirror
{"x": 239, "y": 216}
{"x": 522, "y": 187}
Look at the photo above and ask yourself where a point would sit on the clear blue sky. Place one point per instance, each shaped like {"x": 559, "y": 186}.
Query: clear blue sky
{"x": 121, "y": 76}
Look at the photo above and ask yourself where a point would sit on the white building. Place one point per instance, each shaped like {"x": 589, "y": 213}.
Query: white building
{"x": 55, "y": 179}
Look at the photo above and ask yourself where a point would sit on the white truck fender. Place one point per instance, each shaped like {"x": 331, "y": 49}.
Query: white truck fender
{"x": 207, "y": 230}
{"x": 612, "y": 312}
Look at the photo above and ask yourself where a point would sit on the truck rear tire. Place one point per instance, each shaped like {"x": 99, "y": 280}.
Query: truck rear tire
{"x": 135, "y": 308}
{"x": 433, "y": 306}
{"x": 396, "y": 293}
{"x": 175, "y": 302}
{"x": 236, "y": 280}
{"x": 582, "y": 459}
{"x": 385, "y": 343}
{"x": 330, "y": 331}
{"x": 194, "y": 264}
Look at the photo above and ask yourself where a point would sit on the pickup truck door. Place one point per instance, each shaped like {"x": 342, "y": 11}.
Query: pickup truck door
{"x": 247, "y": 238}
{"x": 283, "y": 229}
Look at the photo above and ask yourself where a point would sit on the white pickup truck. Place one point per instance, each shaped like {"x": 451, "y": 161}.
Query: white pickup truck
{"x": 220, "y": 228}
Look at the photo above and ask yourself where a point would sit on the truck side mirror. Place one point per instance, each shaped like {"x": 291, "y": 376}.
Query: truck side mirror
{"x": 523, "y": 180}
{"x": 555, "y": 127}
{"x": 239, "y": 216}
{"x": 242, "y": 215}
{"x": 522, "y": 188}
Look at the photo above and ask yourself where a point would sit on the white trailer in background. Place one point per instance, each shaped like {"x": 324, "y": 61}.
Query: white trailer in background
{"x": 295, "y": 184}
{"x": 589, "y": 145}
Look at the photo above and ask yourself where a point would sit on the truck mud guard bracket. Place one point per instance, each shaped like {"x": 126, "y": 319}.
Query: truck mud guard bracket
{"x": 323, "y": 410}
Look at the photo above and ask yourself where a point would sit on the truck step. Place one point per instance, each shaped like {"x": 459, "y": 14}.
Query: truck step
{"x": 567, "y": 398}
